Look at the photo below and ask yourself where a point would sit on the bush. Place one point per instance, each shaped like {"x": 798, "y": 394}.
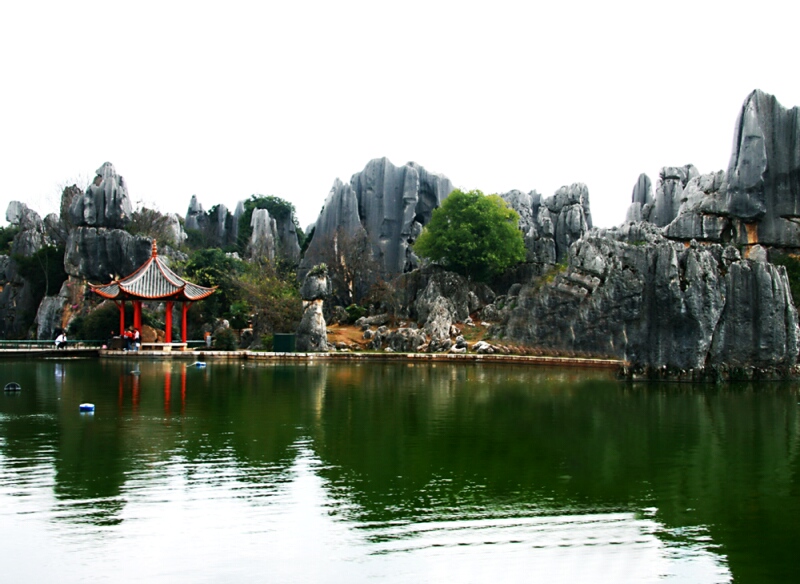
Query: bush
{"x": 225, "y": 340}
{"x": 354, "y": 312}
{"x": 474, "y": 235}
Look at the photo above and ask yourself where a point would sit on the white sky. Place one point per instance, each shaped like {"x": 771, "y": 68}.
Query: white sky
{"x": 227, "y": 99}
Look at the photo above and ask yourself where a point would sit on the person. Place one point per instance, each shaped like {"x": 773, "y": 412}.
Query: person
{"x": 128, "y": 339}
{"x": 137, "y": 339}
{"x": 61, "y": 340}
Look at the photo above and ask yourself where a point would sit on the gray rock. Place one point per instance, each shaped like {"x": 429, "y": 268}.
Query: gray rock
{"x": 14, "y": 212}
{"x": 312, "y": 335}
{"x": 439, "y": 319}
{"x": 100, "y": 254}
{"x": 406, "y": 340}
{"x": 196, "y": 218}
{"x": 263, "y": 238}
{"x": 386, "y": 204}
{"x": 105, "y": 202}
{"x": 50, "y": 315}
{"x": 549, "y": 227}
{"x": 633, "y": 294}
{"x": 316, "y": 285}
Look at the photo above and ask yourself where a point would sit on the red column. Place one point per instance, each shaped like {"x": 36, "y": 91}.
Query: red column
{"x": 137, "y": 314}
{"x": 121, "y": 305}
{"x": 167, "y": 391}
{"x": 168, "y": 324}
{"x": 184, "y": 308}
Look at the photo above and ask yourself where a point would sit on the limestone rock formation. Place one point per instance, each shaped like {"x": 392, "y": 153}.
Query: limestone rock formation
{"x": 100, "y": 254}
{"x": 195, "y": 215}
{"x": 264, "y": 235}
{"x": 757, "y": 201}
{"x": 388, "y": 205}
{"x": 105, "y": 202}
{"x": 551, "y": 225}
{"x": 312, "y": 333}
{"x": 635, "y": 295}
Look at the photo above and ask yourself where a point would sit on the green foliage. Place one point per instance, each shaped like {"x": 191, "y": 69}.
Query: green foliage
{"x": 100, "y": 324}
{"x": 225, "y": 340}
{"x": 279, "y": 209}
{"x": 7, "y": 235}
{"x": 319, "y": 270}
{"x": 474, "y": 235}
{"x": 274, "y": 299}
{"x": 152, "y": 224}
{"x": 239, "y": 314}
{"x": 44, "y": 271}
{"x": 213, "y": 267}
{"x": 354, "y": 312}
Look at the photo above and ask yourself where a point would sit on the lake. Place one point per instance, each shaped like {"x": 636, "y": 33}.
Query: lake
{"x": 392, "y": 472}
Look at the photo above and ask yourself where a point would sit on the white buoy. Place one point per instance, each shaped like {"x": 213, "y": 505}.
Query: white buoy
{"x": 86, "y": 407}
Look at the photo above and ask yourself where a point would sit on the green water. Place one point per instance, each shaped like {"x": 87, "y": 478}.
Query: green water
{"x": 392, "y": 473}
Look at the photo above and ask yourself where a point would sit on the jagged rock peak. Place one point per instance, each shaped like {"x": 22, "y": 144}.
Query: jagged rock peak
{"x": 195, "y": 215}
{"x": 105, "y": 203}
{"x": 386, "y": 204}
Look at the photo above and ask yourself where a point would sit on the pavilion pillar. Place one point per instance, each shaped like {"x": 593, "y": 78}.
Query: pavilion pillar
{"x": 184, "y": 309}
{"x": 121, "y": 305}
{"x": 168, "y": 323}
{"x": 137, "y": 315}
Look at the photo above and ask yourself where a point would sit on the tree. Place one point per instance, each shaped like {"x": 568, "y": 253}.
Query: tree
{"x": 473, "y": 234}
{"x": 153, "y": 224}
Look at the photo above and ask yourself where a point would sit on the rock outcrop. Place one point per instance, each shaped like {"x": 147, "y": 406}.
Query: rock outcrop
{"x": 757, "y": 201}
{"x": 312, "y": 333}
{"x": 633, "y": 294}
{"x": 551, "y": 225}
{"x": 105, "y": 202}
{"x": 100, "y": 254}
{"x": 388, "y": 205}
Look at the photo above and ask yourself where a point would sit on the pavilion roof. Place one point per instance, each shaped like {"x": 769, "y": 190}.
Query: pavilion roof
{"x": 153, "y": 280}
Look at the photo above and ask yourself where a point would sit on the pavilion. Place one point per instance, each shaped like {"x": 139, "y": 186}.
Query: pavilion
{"x": 153, "y": 280}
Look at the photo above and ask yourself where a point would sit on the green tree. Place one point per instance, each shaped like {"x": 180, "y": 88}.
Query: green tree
{"x": 473, "y": 234}
{"x": 213, "y": 267}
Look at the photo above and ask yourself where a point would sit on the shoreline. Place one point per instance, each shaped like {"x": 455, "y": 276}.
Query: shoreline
{"x": 328, "y": 357}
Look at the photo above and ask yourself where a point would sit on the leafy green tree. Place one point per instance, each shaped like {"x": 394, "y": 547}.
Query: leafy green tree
{"x": 473, "y": 234}
{"x": 213, "y": 267}
{"x": 276, "y": 306}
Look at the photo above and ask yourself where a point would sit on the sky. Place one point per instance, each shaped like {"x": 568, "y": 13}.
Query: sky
{"x": 227, "y": 99}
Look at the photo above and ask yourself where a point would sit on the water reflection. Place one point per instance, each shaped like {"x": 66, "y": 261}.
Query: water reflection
{"x": 420, "y": 471}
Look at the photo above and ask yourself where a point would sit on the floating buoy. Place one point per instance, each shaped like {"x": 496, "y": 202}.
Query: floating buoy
{"x": 13, "y": 386}
{"x": 86, "y": 407}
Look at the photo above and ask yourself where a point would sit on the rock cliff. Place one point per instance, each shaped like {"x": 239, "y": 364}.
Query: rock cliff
{"x": 757, "y": 201}
{"x": 386, "y": 204}
{"x": 633, "y": 294}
